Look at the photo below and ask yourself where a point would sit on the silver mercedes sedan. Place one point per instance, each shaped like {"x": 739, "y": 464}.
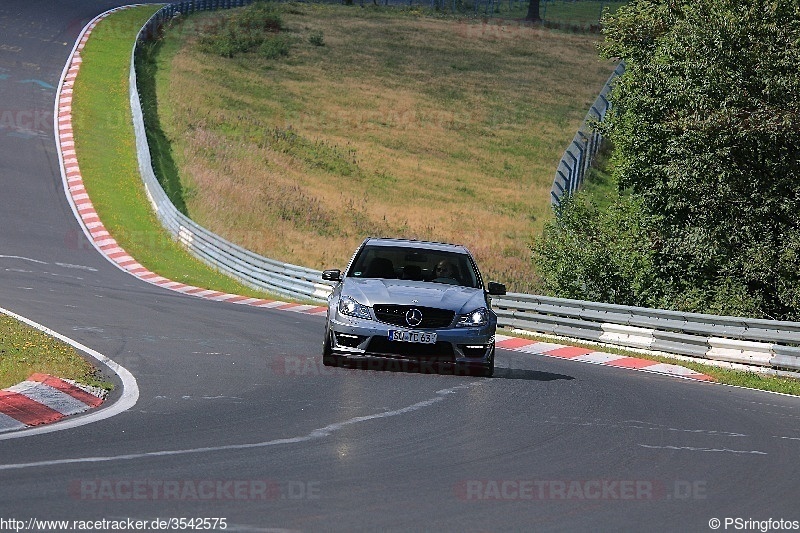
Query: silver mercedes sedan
{"x": 411, "y": 300}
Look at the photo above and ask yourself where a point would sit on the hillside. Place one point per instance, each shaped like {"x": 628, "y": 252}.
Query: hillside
{"x": 376, "y": 122}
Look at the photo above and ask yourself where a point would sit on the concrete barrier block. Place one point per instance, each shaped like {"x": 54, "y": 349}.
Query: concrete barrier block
{"x": 627, "y": 335}
{"x": 737, "y": 351}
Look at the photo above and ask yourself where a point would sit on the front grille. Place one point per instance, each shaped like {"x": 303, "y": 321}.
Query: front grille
{"x": 412, "y": 350}
{"x": 431, "y": 316}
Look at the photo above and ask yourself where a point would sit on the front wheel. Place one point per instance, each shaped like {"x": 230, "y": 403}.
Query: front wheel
{"x": 488, "y": 370}
{"x": 328, "y": 358}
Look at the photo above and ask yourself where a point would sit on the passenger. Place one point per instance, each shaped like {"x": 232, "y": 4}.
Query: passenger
{"x": 380, "y": 267}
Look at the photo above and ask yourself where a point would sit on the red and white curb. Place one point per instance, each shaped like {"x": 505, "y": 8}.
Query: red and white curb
{"x": 43, "y": 399}
{"x": 586, "y": 355}
{"x": 108, "y": 247}
{"x": 92, "y": 225}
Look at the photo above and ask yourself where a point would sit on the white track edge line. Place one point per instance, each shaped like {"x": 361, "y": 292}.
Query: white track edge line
{"x": 130, "y": 388}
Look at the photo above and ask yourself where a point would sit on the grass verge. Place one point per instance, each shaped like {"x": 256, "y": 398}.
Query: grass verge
{"x": 25, "y": 350}
{"x": 726, "y": 376}
{"x": 106, "y": 149}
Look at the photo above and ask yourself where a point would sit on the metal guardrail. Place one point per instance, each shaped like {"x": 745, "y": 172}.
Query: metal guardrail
{"x": 764, "y": 343}
{"x": 578, "y": 156}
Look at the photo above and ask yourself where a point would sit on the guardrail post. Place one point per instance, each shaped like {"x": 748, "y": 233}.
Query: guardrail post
{"x": 584, "y": 160}
{"x": 573, "y": 169}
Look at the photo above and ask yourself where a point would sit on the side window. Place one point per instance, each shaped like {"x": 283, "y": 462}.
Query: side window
{"x": 373, "y": 263}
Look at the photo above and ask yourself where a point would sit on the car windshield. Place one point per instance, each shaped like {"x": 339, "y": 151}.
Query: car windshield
{"x": 415, "y": 264}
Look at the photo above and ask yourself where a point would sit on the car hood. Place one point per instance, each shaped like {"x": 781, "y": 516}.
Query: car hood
{"x": 402, "y": 292}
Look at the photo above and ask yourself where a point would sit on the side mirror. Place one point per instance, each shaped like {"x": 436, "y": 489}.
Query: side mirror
{"x": 496, "y": 289}
{"x": 332, "y": 275}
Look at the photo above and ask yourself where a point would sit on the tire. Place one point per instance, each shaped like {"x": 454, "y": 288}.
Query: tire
{"x": 328, "y": 357}
{"x": 487, "y": 371}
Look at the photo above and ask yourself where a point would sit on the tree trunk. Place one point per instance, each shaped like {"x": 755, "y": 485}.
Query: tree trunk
{"x": 533, "y": 11}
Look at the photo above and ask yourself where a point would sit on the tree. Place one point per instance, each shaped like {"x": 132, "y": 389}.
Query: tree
{"x": 706, "y": 128}
{"x": 533, "y": 11}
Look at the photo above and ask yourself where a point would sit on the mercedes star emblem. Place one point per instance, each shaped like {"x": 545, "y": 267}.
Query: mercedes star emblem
{"x": 413, "y": 317}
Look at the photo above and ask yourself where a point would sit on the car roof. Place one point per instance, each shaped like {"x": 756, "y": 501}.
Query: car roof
{"x": 409, "y": 243}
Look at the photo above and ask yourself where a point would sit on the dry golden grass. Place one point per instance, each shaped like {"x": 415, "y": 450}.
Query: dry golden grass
{"x": 400, "y": 126}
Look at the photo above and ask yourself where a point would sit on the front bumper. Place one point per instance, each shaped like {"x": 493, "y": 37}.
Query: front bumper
{"x": 359, "y": 338}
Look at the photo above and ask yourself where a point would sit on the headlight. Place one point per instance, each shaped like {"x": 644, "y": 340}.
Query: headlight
{"x": 478, "y": 317}
{"x": 350, "y": 307}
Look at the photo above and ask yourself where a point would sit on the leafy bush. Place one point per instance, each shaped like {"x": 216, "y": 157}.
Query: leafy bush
{"x": 705, "y": 124}
{"x": 598, "y": 254}
{"x": 316, "y": 38}
{"x": 247, "y": 30}
{"x": 274, "y": 47}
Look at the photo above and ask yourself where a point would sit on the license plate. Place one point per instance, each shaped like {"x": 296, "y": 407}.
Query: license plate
{"x": 422, "y": 337}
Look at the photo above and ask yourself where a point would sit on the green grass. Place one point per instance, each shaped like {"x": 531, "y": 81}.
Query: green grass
{"x": 725, "y": 376}
{"x": 105, "y": 145}
{"x": 25, "y": 351}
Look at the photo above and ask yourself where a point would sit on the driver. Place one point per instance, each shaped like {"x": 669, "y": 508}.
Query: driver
{"x": 445, "y": 272}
